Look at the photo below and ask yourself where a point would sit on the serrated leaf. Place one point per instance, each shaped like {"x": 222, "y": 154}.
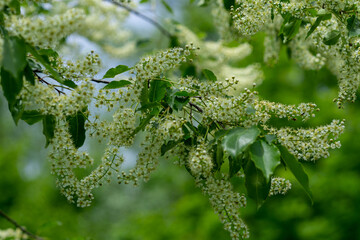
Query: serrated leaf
{"x": 296, "y": 168}
{"x": 332, "y": 37}
{"x": 32, "y": 116}
{"x": 209, "y": 75}
{"x": 157, "y": 90}
{"x": 117, "y": 84}
{"x": 239, "y": 139}
{"x": 48, "y": 128}
{"x": 77, "y": 128}
{"x": 29, "y": 75}
{"x": 14, "y": 56}
{"x": 256, "y": 185}
{"x": 353, "y": 26}
{"x": 11, "y": 85}
{"x": 265, "y": 157}
{"x": 112, "y": 72}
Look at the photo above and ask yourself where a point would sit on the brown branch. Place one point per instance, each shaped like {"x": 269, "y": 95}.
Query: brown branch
{"x": 43, "y": 81}
{"x": 196, "y": 106}
{"x": 152, "y": 21}
{"x": 100, "y": 81}
{"x": 33, "y": 236}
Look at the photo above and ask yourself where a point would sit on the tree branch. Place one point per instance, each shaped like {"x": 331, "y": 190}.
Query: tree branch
{"x": 146, "y": 18}
{"x": 33, "y": 236}
{"x": 100, "y": 81}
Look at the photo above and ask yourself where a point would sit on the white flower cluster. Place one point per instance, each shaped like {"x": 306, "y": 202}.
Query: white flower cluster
{"x": 342, "y": 57}
{"x": 251, "y": 16}
{"x": 279, "y": 186}
{"x": 79, "y": 69}
{"x": 218, "y": 57}
{"x": 45, "y": 99}
{"x": 312, "y": 143}
{"x": 102, "y": 25}
{"x": 10, "y": 233}
{"x": 200, "y": 162}
{"x": 45, "y": 31}
{"x": 226, "y": 203}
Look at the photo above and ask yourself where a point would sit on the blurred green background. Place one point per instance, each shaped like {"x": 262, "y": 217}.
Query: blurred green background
{"x": 169, "y": 206}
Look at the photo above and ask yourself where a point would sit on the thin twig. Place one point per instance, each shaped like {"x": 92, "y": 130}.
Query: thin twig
{"x": 196, "y": 106}
{"x": 152, "y": 21}
{"x": 100, "y": 81}
{"x": 33, "y": 236}
{"x": 41, "y": 79}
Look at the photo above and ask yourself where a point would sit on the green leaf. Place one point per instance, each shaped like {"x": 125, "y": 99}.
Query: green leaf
{"x": 256, "y": 185}
{"x": 184, "y": 94}
{"x": 144, "y": 1}
{"x": 29, "y": 75}
{"x": 31, "y": 117}
{"x": 332, "y": 37}
{"x": 174, "y": 42}
{"x": 14, "y": 56}
{"x": 218, "y": 156}
{"x": 47, "y": 54}
{"x": 157, "y": 90}
{"x": 270, "y": 138}
{"x": 15, "y": 4}
{"x": 44, "y": 62}
{"x": 353, "y": 25}
{"x": 167, "y": 6}
{"x": 265, "y": 157}
{"x": 16, "y": 110}
{"x": 77, "y": 128}
{"x": 143, "y": 123}
{"x": 49, "y": 128}
{"x": 11, "y": 85}
{"x": 112, "y": 72}
{"x": 168, "y": 146}
{"x": 209, "y": 75}
{"x": 228, "y": 4}
{"x": 235, "y": 164}
{"x": 292, "y": 28}
{"x": 117, "y": 84}
{"x": 239, "y": 139}
{"x": 70, "y": 84}
{"x": 296, "y": 168}
{"x": 314, "y": 26}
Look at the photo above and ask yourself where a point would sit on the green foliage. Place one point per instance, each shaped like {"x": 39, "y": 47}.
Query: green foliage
{"x": 332, "y": 37}
{"x": 77, "y": 128}
{"x": 239, "y": 139}
{"x": 265, "y": 157}
{"x": 48, "y": 128}
{"x": 112, "y": 72}
{"x": 117, "y": 84}
{"x": 353, "y": 25}
{"x": 297, "y": 169}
